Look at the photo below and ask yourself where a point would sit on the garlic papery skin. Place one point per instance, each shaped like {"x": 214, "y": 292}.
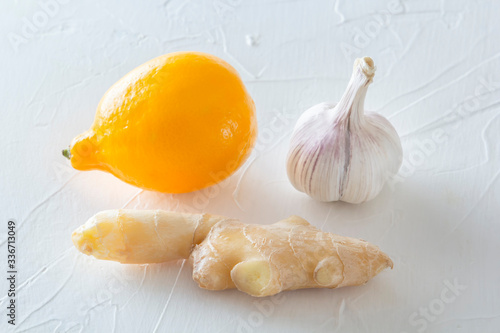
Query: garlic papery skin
{"x": 339, "y": 152}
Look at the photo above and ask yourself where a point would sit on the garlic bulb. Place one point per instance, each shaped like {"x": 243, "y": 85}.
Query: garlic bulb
{"x": 339, "y": 152}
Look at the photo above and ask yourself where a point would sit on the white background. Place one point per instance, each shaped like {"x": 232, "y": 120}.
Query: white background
{"x": 438, "y": 81}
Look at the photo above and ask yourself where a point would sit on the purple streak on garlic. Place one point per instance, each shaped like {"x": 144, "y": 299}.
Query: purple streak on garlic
{"x": 339, "y": 152}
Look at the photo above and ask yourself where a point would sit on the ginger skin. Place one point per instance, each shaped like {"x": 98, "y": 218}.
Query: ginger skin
{"x": 260, "y": 260}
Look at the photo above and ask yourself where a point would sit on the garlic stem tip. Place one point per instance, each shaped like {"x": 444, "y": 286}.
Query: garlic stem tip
{"x": 367, "y": 66}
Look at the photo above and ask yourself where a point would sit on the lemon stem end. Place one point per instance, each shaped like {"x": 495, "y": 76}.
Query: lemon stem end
{"x": 67, "y": 153}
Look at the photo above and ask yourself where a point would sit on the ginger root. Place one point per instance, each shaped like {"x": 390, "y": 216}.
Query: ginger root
{"x": 260, "y": 260}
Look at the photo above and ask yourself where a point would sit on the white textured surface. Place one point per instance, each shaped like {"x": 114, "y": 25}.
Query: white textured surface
{"x": 438, "y": 79}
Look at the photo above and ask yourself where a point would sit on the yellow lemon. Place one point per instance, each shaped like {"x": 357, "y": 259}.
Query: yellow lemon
{"x": 178, "y": 123}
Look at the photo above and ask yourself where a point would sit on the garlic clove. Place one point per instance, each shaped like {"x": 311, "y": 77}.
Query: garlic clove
{"x": 339, "y": 152}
